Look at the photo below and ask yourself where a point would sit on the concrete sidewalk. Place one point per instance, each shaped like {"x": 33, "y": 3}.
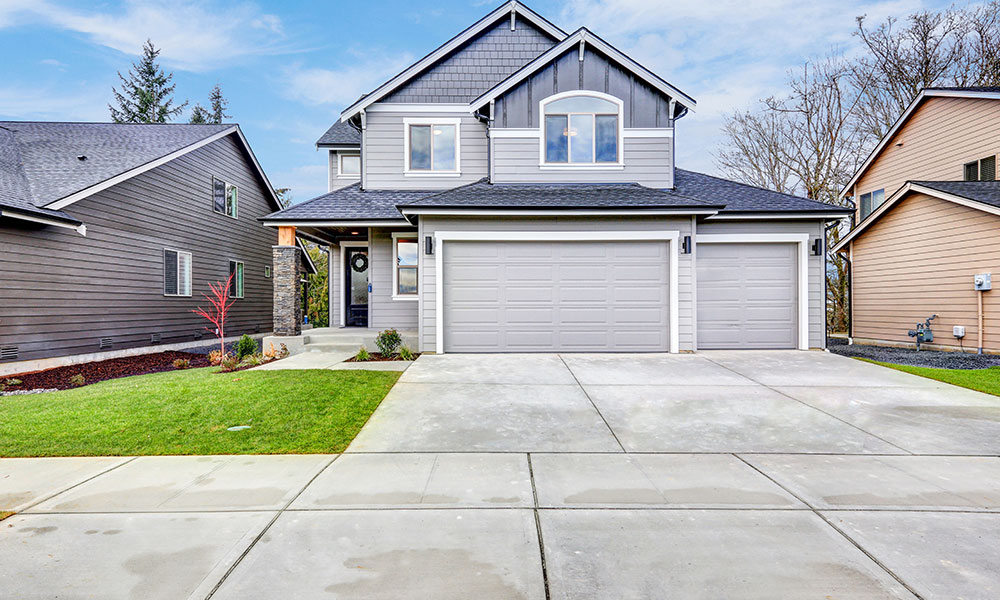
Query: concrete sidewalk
{"x": 723, "y": 475}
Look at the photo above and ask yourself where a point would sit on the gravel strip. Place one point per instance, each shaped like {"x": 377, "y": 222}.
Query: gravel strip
{"x": 925, "y": 358}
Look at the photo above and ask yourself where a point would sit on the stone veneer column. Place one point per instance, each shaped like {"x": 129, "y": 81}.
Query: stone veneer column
{"x": 287, "y": 272}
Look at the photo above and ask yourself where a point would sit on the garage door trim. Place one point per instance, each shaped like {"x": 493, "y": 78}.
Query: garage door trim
{"x": 802, "y": 240}
{"x": 672, "y": 237}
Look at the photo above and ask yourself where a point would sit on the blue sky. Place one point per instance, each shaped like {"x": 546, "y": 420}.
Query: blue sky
{"x": 288, "y": 68}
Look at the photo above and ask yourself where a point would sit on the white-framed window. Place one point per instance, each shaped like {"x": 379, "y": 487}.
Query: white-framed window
{"x": 580, "y": 129}
{"x": 267, "y": 271}
{"x": 349, "y": 165}
{"x": 984, "y": 169}
{"x": 406, "y": 259}
{"x": 176, "y": 272}
{"x": 432, "y": 147}
{"x": 225, "y": 198}
{"x": 236, "y": 282}
{"x": 871, "y": 201}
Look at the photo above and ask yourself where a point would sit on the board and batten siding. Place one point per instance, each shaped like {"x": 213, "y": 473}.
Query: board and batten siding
{"x": 919, "y": 259}
{"x": 648, "y": 161}
{"x": 384, "y": 152}
{"x": 937, "y": 140}
{"x": 429, "y": 278}
{"x": 817, "y": 283}
{"x": 62, "y": 292}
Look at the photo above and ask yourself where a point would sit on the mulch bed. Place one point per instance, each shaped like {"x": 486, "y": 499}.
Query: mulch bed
{"x": 377, "y": 357}
{"x": 113, "y": 368}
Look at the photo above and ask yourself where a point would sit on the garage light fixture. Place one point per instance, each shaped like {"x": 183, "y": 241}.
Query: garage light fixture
{"x": 817, "y": 248}
{"x": 429, "y": 245}
{"x": 686, "y": 246}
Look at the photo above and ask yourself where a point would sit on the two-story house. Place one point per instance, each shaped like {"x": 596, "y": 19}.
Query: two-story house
{"x": 111, "y": 233}
{"x": 515, "y": 190}
{"x": 928, "y": 221}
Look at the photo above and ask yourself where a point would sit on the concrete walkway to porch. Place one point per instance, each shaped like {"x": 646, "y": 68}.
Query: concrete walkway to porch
{"x": 329, "y": 347}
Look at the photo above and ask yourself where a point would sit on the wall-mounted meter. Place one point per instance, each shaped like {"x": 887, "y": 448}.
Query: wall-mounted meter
{"x": 983, "y": 281}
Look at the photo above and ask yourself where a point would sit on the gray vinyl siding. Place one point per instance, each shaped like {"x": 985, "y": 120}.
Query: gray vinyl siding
{"x": 644, "y": 106}
{"x": 648, "y": 161}
{"x": 383, "y": 311}
{"x": 815, "y": 229}
{"x": 336, "y": 274}
{"x": 336, "y": 181}
{"x": 62, "y": 291}
{"x": 481, "y": 63}
{"x": 429, "y": 278}
{"x": 384, "y": 152}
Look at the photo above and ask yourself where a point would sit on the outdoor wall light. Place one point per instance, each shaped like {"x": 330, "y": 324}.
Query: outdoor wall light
{"x": 429, "y": 245}
{"x": 818, "y": 247}
{"x": 686, "y": 245}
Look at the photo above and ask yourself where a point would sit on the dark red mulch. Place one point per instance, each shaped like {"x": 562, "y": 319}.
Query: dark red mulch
{"x": 377, "y": 357}
{"x": 113, "y": 368}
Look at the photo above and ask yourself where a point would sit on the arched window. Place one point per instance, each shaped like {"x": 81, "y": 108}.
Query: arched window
{"x": 581, "y": 128}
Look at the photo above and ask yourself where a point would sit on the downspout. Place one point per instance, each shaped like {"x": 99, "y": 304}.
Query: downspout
{"x": 488, "y": 120}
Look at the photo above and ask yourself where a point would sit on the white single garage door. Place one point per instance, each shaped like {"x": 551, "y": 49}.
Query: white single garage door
{"x": 545, "y": 296}
{"x": 747, "y": 296}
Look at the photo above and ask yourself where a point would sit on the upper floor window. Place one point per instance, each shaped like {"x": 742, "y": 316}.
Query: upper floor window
{"x": 432, "y": 146}
{"x": 581, "y": 128}
{"x": 225, "y": 198}
{"x": 984, "y": 169}
{"x": 871, "y": 201}
{"x": 350, "y": 165}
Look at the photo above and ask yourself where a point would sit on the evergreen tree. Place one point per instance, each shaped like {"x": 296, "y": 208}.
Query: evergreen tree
{"x": 219, "y": 105}
{"x": 199, "y": 115}
{"x": 147, "y": 94}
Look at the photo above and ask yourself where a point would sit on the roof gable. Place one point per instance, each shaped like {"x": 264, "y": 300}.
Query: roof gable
{"x": 512, "y": 11}
{"x": 987, "y": 93}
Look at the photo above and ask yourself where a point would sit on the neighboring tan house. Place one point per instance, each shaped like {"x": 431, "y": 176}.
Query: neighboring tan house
{"x": 928, "y": 221}
{"x": 515, "y": 190}
{"x": 110, "y": 234}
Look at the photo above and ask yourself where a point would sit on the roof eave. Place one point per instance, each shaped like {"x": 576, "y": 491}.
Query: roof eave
{"x": 43, "y": 217}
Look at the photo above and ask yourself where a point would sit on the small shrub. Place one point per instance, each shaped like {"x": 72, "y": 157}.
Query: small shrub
{"x": 405, "y": 353}
{"x": 13, "y": 381}
{"x": 387, "y": 341}
{"x": 253, "y": 360}
{"x": 215, "y": 358}
{"x": 229, "y": 363}
{"x": 284, "y": 352}
{"x": 362, "y": 355}
{"x": 77, "y": 380}
{"x": 270, "y": 353}
{"x": 246, "y": 346}
{"x": 182, "y": 363}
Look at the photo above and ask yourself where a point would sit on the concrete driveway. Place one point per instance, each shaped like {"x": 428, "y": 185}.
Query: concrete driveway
{"x": 718, "y": 475}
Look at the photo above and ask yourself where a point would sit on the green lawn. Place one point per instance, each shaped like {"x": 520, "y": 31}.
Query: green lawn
{"x": 983, "y": 380}
{"x": 187, "y": 412}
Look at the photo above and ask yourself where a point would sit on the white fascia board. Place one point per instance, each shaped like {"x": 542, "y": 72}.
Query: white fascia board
{"x": 399, "y": 107}
{"x": 895, "y": 198}
{"x": 583, "y": 34}
{"x": 443, "y": 50}
{"x": 345, "y": 223}
{"x": 13, "y": 214}
{"x": 556, "y": 212}
{"x": 904, "y": 117}
{"x": 778, "y": 216}
{"x": 75, "y": 197}
{"x": 260, "y": 170}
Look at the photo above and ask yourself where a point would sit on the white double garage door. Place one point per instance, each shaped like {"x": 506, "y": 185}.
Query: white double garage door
{"x": 613, "y": 296}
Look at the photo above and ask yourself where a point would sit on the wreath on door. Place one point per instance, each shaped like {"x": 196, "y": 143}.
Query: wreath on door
{"x": 359, "y": 262}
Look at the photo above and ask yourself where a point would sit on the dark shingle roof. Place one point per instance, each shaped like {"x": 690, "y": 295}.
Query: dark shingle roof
{"x": 482, "y": 194}
{"x": 987, "y": 192}
{"x": 739, "y": 197}
{"x": 15, "y": 193}
{"x": 47, "y": 153}
{"x": 340, "y": 133}
{"x": 349, "y": 203}
{"x": 980, "y": 88}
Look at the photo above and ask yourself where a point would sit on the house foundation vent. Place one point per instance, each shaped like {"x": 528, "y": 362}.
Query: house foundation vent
{"x": 154, "y": 338}
{"x": 106, "y": 342}
{"x": 197, "y": 335}
{"x": 8, "y": 353}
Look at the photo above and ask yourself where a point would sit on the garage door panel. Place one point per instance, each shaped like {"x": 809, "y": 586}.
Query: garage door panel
{"x": 553, "y": 296}
{"x": 747, "y": 296}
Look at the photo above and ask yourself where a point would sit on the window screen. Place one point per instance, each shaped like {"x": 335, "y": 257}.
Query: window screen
{"x": 236, "y": 282}
{"x": 176, "y": 273}
{"x": 170, "y": 272}
{"x": 218, "y": 196}
{"x": 972, "y": 171}
{"x": 988, "y": 169}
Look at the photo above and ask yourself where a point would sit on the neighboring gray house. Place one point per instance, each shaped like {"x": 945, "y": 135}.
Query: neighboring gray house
{"x": 110, "y": 234}
{"x": 515, "y": 190}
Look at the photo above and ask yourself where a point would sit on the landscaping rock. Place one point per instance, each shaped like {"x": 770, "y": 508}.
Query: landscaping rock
{"x": 925, "y": 358}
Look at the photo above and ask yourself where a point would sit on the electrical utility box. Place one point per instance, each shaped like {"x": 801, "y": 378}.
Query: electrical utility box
{"x": 958, "y": 331}
{"x": 983, "y": 282}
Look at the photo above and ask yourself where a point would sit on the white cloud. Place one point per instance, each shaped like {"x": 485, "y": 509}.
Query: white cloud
{"x": 342, "y": 86}
{"x": 193, "y": 36}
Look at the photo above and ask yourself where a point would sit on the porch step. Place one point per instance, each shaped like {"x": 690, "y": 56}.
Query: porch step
{"x": 353, "y": 341}
{"x": 349, "y": 348}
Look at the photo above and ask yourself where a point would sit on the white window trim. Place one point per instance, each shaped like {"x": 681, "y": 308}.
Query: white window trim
{"x": 457, "y": 122}
{"x": 190, "y": 282}
{"x": 568, "y": 166}
{"x": 225, "y": 199}
{"x": 344, "y": 281}
{"x": 673, "y": 237}
{"x": 802, "y": 239}
{"x": 243, "y": 294}
{"x": 340, "y": 165}
{"x": 395, "y": 267}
